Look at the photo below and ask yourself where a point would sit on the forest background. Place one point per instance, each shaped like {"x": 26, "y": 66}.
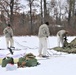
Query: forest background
{"x": 26, "y": 16}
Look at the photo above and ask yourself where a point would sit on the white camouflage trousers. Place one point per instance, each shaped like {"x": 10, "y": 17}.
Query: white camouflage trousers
{"x": 60, "y": 41}
{"x": 43, "y": 45}
{"x": 9, "y": 42}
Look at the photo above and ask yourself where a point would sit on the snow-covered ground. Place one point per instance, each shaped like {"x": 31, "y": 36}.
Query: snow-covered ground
{"x": 58, "y": 64}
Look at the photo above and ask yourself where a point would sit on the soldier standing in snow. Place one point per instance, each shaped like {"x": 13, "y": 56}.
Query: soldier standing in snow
{"x": 8, "y": 32}
{"x": 43, "y": 34}
{"x": 61, "y": 36}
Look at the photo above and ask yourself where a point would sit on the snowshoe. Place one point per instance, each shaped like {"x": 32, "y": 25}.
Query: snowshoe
{"x": 44, "y": 56}
{"x": 10, "y": 51}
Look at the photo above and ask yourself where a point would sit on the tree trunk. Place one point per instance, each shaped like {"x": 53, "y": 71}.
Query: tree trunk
{"x": 11, "y": 11}
{"x": 31, "y": 16}
{"x": 45, "y": 11}
{"x": 41, "y": 13}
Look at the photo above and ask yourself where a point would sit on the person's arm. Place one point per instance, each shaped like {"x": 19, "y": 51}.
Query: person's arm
{"x": 47, "y": 33}
{"x": 11, "y": 34}
{"x": 65, "y": 37}
{"x": 5, "y": 31}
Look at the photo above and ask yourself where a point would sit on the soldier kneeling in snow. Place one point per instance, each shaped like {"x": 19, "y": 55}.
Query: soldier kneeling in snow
{"x": 61, "y": 35}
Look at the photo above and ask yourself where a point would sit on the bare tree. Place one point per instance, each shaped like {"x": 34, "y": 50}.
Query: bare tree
{"x": 31, "y": 4}
{"x": 71, "y": 11}
{"x": 9, "y": 7}
{"x": 41, "y": 11}
{"x": 45, "y": 11}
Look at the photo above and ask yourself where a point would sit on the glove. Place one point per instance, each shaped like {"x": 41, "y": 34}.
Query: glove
{"x": 11, "y": 36}
{"x": 47, "y": 36}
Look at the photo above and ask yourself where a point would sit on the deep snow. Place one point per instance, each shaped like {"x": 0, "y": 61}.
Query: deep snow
{"x": 58, "y": 64}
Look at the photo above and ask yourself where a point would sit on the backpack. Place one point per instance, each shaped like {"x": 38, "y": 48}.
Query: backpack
{"x": 31, "y": 62}
{"x": 6, "y": 60}
{"x": 28, "y": 60}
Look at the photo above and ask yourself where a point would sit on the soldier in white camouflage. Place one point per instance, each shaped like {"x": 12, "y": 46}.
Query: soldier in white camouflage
{"x": 61, "y": 37}
{"x": 43, "y": 35}
{"x": 8, "y": 33}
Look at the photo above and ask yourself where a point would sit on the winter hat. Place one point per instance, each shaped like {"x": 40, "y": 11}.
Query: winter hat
{"x": 9, "y": 25}
{"x": 66, "y": 32}
{"x": 47, "y": 23}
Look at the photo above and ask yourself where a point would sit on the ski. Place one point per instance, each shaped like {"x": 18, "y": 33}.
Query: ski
{"x": 11, "y": 51}
{"x": 42, "y": 58}
{"x": 16, "y": 49}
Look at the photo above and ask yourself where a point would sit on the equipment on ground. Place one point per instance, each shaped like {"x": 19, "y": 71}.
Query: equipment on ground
{"x": 6, "y": 60}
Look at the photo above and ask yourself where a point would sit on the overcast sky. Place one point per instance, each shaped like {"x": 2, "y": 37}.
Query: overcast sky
{"x": 24, "y": 2}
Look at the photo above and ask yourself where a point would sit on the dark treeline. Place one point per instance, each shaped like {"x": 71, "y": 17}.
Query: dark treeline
{"x": 59, "y": 15}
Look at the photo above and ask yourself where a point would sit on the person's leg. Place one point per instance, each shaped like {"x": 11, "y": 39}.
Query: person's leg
{"x": 11, "y": 42}
{"x": 40, "y": 47}
{"x": 7, "y": 42}
{"x": 58, "y": 41}
{"x": 61, "y": 40}
{"x": 44, "y": 43}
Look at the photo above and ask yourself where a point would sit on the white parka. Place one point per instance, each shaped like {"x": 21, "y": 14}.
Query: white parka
{"x": 8, "y": 32}
{"x": 61, "y": 33}
{"x": 43, "y": 31}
